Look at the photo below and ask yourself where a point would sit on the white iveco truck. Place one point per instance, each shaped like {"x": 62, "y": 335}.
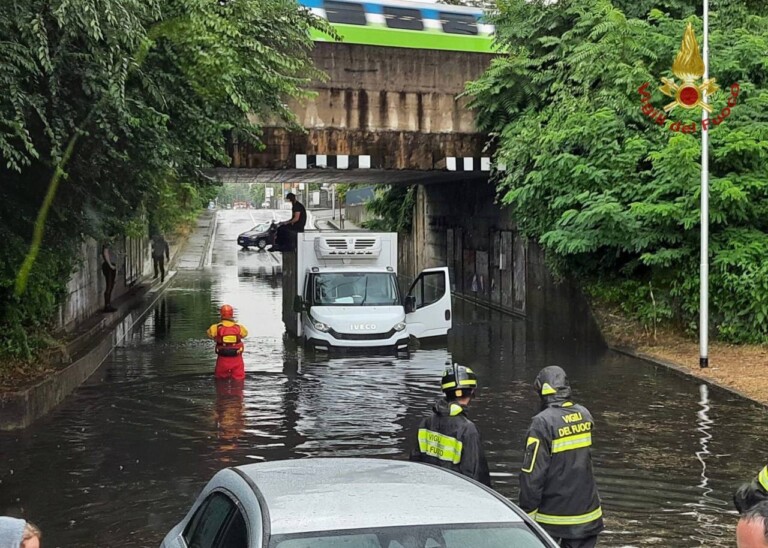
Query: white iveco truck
{"x": 340, "y": 290}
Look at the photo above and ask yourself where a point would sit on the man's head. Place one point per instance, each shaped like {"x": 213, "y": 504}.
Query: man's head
{"x": 458, "y": 383}
{"x": 291, "y": 197}
{"x": 752, "y": 530}
{"x": 31, "y": 537}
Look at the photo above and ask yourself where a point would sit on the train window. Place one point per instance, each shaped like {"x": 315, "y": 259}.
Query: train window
{"x": 455, "y": 23}
{"x": 403, "y": 18}
{"x": 344, "y": 12}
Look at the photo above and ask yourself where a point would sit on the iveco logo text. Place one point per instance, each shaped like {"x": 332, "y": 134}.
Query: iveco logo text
{"x": 362, "y": 326}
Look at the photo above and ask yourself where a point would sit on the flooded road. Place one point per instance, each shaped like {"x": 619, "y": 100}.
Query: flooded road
{"x": 121, "y": 460}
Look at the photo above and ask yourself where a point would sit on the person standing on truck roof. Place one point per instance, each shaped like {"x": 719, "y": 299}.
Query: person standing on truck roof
{"x": 229, "y": 336}
{"x": 296, "y": 223}
{"x": 557, "y": 485}
{"x": 447, "y": 437}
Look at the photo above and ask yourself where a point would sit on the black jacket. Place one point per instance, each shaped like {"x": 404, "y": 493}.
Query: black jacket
{"x": 753, "y": 492}
{"x": 449, "y": 439}
{"x": 557, "y": 486}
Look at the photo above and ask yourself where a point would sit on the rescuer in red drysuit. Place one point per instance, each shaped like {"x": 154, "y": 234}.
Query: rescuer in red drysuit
{"x": 229, "y": 336}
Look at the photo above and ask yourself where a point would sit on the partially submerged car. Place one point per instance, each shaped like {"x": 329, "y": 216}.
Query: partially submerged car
{"x": 260, "y": 236}
{"x": 351, "y": 503}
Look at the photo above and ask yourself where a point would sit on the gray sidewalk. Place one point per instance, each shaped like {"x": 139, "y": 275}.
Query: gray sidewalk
{"x": 324, "y": 221}
{"x": 196, "y": 252}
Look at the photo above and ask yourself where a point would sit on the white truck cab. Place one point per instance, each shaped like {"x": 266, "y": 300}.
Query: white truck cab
{"x": 340, "y": 290}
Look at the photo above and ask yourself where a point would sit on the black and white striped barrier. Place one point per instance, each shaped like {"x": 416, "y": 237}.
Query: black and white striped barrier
{"x": 340, "y": 161}
{"x": 464, "y": 163}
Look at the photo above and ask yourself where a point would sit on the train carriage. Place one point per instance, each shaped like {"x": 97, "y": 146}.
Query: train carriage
{"x": 405, "y": 24}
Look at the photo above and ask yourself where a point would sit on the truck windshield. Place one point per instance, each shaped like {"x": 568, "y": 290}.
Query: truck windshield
{"x": 354, "y": 289}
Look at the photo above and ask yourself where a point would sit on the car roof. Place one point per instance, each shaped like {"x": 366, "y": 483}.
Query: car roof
{"x": 323, "y": 494}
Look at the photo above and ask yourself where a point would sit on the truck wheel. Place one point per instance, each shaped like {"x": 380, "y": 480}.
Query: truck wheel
{"x": 245, "y": 247}
{"x": 261, "y": 243}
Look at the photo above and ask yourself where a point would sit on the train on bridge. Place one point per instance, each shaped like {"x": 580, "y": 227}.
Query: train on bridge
{"x": 405, "y": 24}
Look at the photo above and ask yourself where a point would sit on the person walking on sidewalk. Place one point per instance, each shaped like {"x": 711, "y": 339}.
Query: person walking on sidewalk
{"x": 109, "y": 269}
{"x": 557, "y": 485}
{"x": 229, "y": 336}
{"x": 160, "y": 252}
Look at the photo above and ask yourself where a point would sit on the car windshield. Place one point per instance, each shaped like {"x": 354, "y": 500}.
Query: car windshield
{"x": 354, "y": 289}
{"x": 505, "y": 535}
{"x": 260, "y": 227}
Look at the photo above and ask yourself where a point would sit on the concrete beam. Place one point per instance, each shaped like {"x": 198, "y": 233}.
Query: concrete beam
{"x": 387, "y": 149}
{"x": 348, "y": 176}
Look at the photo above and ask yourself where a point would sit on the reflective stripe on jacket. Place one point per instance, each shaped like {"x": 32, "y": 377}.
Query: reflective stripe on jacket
{"x": 557, "y": 485}
{"x": 449, "y": 439}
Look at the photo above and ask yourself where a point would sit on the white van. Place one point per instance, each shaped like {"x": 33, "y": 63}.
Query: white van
{"x": 340, "y": 290}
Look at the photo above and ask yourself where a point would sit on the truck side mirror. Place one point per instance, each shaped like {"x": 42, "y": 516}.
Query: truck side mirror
{"x": 298, "y": 304}
{"x": 410, "y": 304}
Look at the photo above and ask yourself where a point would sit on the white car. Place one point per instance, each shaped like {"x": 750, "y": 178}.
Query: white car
{"x": 351, "y": 503}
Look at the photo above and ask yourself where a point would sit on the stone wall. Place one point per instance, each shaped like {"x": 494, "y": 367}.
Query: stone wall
{"x": 85, "y": 289}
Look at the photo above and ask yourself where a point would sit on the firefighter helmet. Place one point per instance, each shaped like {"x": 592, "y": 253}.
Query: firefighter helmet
{"x": 227, "y": 313}
{"x": 552, "y": 382}
{"x": 458, "y": 381}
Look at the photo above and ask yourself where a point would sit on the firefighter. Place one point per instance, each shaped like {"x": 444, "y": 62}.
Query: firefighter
{"x": 557, "y": 486}
{"x": 752, "y": 493}
{"x": 447, "y": 437}
{"x": 229, "y": 336}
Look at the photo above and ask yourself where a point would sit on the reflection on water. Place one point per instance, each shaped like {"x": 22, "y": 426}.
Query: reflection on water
{"x": 123, "y": 458}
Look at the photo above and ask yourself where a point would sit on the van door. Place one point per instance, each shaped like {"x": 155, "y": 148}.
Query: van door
{"x": 428, "y": 304}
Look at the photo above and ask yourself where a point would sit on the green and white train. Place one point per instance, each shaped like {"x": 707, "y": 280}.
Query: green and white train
{"x": 405, "y": 24}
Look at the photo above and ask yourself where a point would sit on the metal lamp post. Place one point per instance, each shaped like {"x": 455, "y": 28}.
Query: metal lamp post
{"x": 704, "y": 266}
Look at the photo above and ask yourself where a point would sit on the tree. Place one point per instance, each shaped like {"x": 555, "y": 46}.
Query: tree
{"x": 611, "y": 196}
{"x": 112, "y": 106}
{"x": 392, "y": 206}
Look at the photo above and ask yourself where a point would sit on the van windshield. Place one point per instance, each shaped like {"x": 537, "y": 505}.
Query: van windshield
{"x": 354, "y": 289}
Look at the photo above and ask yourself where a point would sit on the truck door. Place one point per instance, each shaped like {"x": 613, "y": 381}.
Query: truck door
{"x": 428, "y": 304}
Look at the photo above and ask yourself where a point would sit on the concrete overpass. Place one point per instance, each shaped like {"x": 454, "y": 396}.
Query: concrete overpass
{"x": 385, "y": 115}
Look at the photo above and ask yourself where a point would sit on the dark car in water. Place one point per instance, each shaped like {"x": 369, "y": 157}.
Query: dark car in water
{"x": 260, "y": 236}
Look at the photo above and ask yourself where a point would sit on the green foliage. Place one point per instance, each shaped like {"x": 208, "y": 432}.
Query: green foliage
{"x": 612, "y": 196}
{"x": 392, "y": 206}
{"x": 111, "y": 108}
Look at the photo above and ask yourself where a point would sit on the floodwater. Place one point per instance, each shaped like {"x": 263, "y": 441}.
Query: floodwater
{"x": 122, "y": 459}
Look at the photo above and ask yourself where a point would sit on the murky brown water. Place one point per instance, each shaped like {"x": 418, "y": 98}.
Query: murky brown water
{"x": 123, "y": 458}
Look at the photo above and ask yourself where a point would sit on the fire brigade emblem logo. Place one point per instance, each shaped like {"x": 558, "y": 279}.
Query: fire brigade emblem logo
{"x": 689, "y": 68}
{"x": 688, "y": 91}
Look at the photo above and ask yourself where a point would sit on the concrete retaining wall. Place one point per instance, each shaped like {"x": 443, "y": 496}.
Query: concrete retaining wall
{"x": 85, "y": 290}
{"x": 461, "y": 225}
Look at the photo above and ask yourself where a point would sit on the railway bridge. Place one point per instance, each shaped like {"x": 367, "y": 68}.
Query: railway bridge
{"x": 389, "y": 111}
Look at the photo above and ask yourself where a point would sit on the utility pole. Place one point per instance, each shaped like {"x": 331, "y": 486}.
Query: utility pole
{"x": 704, "y": 267}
